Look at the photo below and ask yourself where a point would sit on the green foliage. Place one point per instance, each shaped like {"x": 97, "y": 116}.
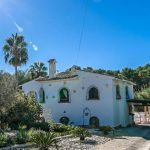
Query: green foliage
{"x": 61, "y": 128}
{"x": 89, "y": 69}
{"x": 24, "y": 111}
{"x": 140, "y": 75}
{"x": 45, "y": 126}
{"x": 144, "y": 94}
{"x": 106, "y": 129}
{"x": 3, "y": 140}
{"x": 23, "y": 77}
{"x": 44, "y": 140}
{"x": 38, "y": 69}
{"x": 75, "y": 67}
{"x": 15, "y": 51}
{"x": 30, "y": 133}
{"x": 6, "y": 140}
{"x": 8, "y": 88}
{"x": 22, "y": 137}
{"x": 81, "y": 132}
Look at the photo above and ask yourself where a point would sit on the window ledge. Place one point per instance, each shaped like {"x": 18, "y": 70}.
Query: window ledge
{"x": 64, "y": 102}
{"x": 41, "y": 102}
{"x": 93, "y": 99}
{"x": 118, "y": 97}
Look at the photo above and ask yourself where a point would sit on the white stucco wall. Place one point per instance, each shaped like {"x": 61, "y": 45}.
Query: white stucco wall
{"x": 78, "y": 99}
{"x": 32, "y": 86}
{"x": 120, "y": 111}
{"x": 109, "y": 110}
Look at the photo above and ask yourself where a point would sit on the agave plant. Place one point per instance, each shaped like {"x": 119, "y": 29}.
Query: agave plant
{"x": 106, "y": 129}
{"x": 44, "y": 140}
{"x": 3, "y": 140}
{"x": 22, "y": 137}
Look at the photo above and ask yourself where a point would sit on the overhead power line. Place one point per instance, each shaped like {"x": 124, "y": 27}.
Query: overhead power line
{"x": 82, "y": 31}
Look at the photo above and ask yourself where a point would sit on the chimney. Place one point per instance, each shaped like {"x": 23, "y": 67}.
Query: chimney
{"x": 52, "y": 68}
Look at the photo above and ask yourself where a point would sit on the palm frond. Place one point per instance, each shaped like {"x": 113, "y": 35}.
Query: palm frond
{"x": 15, "y": 51}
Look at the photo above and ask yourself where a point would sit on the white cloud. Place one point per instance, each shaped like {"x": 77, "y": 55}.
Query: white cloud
{"x": 35, "y": 47}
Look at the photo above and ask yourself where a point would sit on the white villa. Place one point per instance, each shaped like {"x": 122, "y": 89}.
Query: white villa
{"x": 78, "y": 97}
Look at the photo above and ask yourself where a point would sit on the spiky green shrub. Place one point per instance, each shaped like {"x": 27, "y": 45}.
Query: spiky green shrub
{"x": 3, "y": 140}
{"x": 106, "y": 129}
{"x": 30, "y": 134}
{"x": 44, "y": 140}
{"x": 22, "y": 137}
{"x": 81, "y": 132}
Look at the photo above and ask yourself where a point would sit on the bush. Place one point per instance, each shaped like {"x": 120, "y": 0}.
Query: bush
{"x": 8, "y": 88}
{"x": 30, "y": 134}
{"x": 3, "y": 140}
{"x": 81, "y": 132}
{"x": 105, "y": 129}
{"x": 25, "y": 111}
{"x": 61, "y": 127}
{"x": 41, "y": 126}
{"x": 44, "y": 140}
{"x": 22, "y": 137}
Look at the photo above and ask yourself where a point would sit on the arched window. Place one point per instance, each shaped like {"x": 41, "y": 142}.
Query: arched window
{"x": 33, "y": 94}
{"x": 127, "y": 92}
{"x": 94, "y": 122}
{"x": 93, "y": 93}
{"x": 42, "y": 95}
{"x": 64, "y": 95}
{"x": 64, "y": 120}
{"x": 118, "y": 95}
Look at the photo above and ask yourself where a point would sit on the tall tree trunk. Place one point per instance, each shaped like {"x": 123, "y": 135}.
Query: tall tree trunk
{"x": 16, "y": 74}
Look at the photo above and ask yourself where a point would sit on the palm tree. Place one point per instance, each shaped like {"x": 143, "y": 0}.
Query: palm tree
{"x": 15, "y": 51}
{"x": 38, "y": 69}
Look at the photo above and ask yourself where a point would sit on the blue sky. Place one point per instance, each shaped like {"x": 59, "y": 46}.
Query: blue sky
{"x": 116, "y": 33}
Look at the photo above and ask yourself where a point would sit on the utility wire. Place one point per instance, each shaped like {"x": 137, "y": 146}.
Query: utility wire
{"x": 82, "y": 31}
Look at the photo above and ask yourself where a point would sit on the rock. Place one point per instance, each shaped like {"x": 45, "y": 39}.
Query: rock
{"x": 76, "y": 144}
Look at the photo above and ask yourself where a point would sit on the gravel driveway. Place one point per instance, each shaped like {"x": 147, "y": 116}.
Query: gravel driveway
{"x": 133, "y": 138}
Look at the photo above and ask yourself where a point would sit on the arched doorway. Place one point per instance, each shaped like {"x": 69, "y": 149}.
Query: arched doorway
{"x": 94, "y": 122}
{"x": 86, "y": 116}
{"x": 64, "y": 120}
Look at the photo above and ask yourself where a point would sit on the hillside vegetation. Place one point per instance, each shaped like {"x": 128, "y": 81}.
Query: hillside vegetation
{"x": 140, "y": 75}
{"x": 143, "y": 94}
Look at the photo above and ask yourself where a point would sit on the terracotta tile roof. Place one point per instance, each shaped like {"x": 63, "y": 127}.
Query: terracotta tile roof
{"x": 62, "y": 75}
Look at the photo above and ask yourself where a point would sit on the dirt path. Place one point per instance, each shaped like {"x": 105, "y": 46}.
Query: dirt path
{"x": 136, "y": 138}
